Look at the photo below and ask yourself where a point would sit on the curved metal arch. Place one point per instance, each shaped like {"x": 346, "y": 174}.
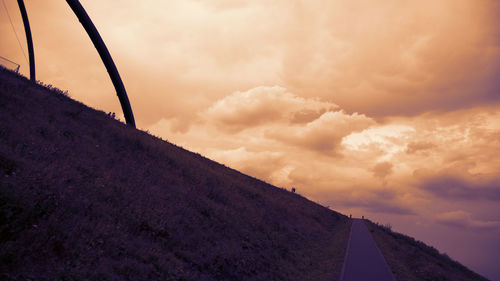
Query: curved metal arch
{"x": 85, "y": 20}
{"x": 91, "y": 30}
{"x": 29, "y": 40}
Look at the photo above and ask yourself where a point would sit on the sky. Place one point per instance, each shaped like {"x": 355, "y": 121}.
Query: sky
{"x": 386, "y": 109}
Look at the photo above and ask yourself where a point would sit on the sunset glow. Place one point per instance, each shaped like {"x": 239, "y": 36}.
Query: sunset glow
{"x": 388, "y": 109}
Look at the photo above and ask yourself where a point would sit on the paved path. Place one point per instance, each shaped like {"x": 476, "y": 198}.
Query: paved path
{"x": 364, "y": 261}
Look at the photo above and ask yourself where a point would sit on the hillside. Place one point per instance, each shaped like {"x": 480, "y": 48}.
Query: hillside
{"x": 84, "y": 197}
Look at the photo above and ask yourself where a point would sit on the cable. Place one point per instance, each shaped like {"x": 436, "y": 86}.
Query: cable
{"x": 14, "y": 63}
{"x": 12, "y": 25}
{"x": 8, "y": 60}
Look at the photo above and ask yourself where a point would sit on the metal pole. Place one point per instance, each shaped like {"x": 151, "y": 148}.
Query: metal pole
{"x": 85, "y": 20}
{"x": 27, "y": 29}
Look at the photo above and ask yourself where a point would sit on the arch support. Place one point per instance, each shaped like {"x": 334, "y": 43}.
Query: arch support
{"x": 91, "y": 30}
{"x": 29, "y": 40}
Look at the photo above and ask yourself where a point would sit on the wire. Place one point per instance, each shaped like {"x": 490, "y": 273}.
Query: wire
{"x": 7, "y": 60}
{"x": 12, "y": 25}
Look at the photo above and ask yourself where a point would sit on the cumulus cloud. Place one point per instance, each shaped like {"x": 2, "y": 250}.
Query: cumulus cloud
{"x": 463, "y": 219}
{"x": 261, "y": 105}
{"x": 323, "y": 134}
{"x": 284, "y": 117}
{"x": 380, "y": 142}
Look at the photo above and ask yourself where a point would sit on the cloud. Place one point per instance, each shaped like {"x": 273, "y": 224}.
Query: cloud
{"x": 463, "y": 219}
{"x": 382, "y": 169}
{"x": 384, "y": 207}
{"x": 261, "y": 105}
{"x": 423, "y": 57}
{"x": 324, "y": 134}
{"x": 263, "y": 165}
{"x": 378, "y": 201}
{"x": 274, "y": 113}
{"x": 454, "y": 187}
{"x": 380, "y": 142}
{"x": 418, "y": 147}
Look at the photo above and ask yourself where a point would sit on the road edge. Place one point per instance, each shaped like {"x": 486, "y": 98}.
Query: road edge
{"x": 346, "y": 253}
{"x": 380, "y": 253}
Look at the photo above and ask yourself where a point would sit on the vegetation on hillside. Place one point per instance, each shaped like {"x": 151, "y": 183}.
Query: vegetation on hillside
{"x": 84, "y": 197}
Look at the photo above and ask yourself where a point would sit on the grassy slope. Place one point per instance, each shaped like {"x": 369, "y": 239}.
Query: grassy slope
{"x": 83, "y": 196}
{"x": 412, "y": 260}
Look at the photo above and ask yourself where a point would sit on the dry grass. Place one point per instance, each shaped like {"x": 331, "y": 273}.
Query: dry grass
{"x": 84, "y": 197}
{"x": 412, "y": 260}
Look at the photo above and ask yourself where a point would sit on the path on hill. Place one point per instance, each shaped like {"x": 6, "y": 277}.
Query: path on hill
{"x": 364, "y": 261}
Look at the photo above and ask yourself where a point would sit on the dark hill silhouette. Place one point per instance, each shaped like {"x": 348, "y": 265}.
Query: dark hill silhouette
{"x": 85, "y": 197}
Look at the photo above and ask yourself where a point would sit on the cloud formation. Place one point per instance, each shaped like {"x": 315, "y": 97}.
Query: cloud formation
{"x": 264, "y": 105}
{"x": 396, "y": 165}
{"x": 451, "y": 187}
{"x": 323, "y": 134}
{"x": 382, "y": 169}
{"x": 462, "y": 219}
{"x": 420, "y": 56}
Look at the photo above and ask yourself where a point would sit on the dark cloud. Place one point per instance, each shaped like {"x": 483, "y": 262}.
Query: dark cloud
{"x": 462, "y": 219}
{"x": 453, "y": 187}
{"x": 373, "y": 201}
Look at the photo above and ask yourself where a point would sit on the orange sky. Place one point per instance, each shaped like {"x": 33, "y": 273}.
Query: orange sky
{"x": 388, "y": 109}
